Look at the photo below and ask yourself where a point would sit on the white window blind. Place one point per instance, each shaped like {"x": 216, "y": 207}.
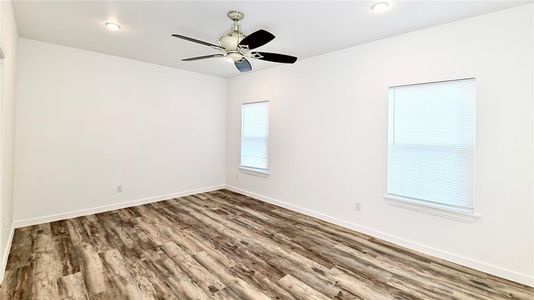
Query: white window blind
{"x": 254, "y": 135}
{"x": 431, "y": 142}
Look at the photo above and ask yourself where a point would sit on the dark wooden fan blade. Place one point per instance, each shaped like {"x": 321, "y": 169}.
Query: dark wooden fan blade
{"x": 183, "y": 37}
{"x": 243, "y": 65}
{"x": 257, "y": 39}
{"x": 276, "y": 57}
{"x": 202, "y": 57}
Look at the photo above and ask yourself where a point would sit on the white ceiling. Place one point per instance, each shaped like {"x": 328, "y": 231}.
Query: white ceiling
{"x": 302, "y": 28}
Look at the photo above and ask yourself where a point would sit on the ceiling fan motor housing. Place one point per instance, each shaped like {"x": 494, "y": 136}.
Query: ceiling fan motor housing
{"x": 230, "y": 42}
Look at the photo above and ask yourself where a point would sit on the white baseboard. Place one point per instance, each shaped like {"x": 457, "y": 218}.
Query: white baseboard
{"x": 452, "y": 257}
{"x": 5, "y": 255}
{"x": 104, "y": 208}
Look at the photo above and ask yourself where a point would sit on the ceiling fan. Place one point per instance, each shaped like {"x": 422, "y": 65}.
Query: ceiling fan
{"x": 236, "y": 46}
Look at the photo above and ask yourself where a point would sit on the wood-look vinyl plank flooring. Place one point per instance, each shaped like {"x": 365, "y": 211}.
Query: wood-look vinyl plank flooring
{"x": 223, "y": 245}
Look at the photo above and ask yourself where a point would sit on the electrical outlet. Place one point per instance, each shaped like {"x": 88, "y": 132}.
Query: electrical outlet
{"x": 119, "y": 188}
{"x": 357, "y": 206}
{"x": 236, "y": 177}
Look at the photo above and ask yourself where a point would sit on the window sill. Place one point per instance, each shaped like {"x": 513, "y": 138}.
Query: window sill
{"x": 434, "y": 209}
{"x": 255, "y": 172}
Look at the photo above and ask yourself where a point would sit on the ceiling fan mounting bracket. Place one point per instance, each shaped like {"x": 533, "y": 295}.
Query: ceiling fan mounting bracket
{"x": 256, "y": 55}
{"x": 236, "y": 16}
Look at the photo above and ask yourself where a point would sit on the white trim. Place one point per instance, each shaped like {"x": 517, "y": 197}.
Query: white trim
{"x": 6, "y": 253}
{"x": 2, "y": 159}
{"x": 452, "y": 257}
{"x": 104, "y": 208}
{"x": 254, "y": 171}
{"x": 430, "y": 208}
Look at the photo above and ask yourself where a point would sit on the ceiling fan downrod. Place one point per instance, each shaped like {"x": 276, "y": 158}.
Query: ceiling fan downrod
{"x": 235, "y": 16}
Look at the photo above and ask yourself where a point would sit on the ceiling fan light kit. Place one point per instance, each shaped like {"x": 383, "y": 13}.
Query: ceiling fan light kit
{"x": 237, "y": 47}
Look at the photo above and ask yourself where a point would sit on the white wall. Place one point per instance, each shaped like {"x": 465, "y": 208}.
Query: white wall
{"x": 8, "y": 43}
{"x": 87, "y": 122}
{"x": 328, "y": 137}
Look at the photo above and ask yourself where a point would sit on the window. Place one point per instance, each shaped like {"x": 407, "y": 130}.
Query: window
{"x": 431, "y": 143}
{"x": 254, "y": 135}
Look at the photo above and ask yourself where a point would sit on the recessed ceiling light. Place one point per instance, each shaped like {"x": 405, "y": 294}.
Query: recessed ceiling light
{"x": 113, "y": 26}
{"x": 380, "y": 6}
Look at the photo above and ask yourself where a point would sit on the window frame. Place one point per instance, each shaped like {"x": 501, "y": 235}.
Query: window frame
{"x": 247, "y": 169}
{"x": 419, "y": 205}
